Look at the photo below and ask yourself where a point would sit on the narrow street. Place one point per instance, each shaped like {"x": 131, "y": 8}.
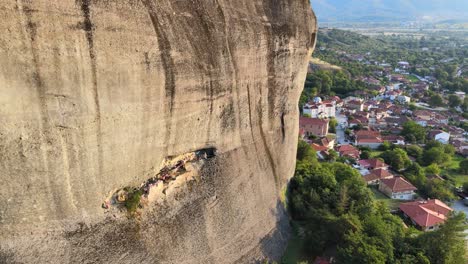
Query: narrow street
{"x": 340, "y": 128}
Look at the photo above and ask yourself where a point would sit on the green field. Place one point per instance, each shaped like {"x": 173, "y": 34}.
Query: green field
{"x": 452, "y": 171}
{"x": 391, "y": 204}
{"x": 375, "y": 153}
{"x": 413, "y": 78}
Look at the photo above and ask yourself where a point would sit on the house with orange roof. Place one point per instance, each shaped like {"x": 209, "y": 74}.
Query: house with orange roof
{"x": 314, "y": 126}
{"x": 373, "y": 164}
{"x": 348, "y": 151}
{"x": 397, "y": 188}
{"x": 375, "y": 176}
{"x": 426, "y": 215}
{"x": 368, "y": 138}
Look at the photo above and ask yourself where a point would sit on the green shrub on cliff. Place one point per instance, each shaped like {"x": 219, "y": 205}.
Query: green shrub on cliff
{"x": 133, "y": 201}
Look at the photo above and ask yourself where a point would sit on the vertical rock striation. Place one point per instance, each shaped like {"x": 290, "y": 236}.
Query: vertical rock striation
{"x": 95, "y": 94}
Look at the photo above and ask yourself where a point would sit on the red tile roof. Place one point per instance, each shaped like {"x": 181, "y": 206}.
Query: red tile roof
{"x": 398, "y": 184}
{"x": 318, "y": 147}
{"x": 363, "y": 133}
{"x": 378, "y": 174}
{"x": 369, "y": 140}
{"x": 348, "y": 150}
{"x": 393, "y": 138}
{"x": 312, "y": 121}
{"x": 368, "y": 136}
{"x": 426, "y": 213}
{"x": 381, "y": 173}
{"x": 373, "y": 163}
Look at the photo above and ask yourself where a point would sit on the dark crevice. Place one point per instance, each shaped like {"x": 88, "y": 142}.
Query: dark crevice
{"x": 88, "y": 27}
{"x": 250, "y": 112}
{"x": 264, "y": 142}
{"x": 211, "y": 105}
{"x": 167, "y": 61}
{"x": 41, "y": 91}
{"x": 165, "y": 49}
{"x": 283, "y": 133}
{"x": 267, "y": 149}
{"x": 232, "y": 62}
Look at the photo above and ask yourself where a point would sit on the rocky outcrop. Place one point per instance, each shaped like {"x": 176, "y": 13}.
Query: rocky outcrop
{"x": 95, "y": 94}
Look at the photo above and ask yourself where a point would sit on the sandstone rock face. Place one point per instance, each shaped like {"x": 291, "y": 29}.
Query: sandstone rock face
{"x": 95, "y": 94}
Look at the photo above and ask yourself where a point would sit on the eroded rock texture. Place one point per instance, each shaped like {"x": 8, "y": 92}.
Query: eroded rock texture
{"x": 94, "y": 94}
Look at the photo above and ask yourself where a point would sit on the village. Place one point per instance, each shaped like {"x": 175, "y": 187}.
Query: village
{"x": 363, "y": 124}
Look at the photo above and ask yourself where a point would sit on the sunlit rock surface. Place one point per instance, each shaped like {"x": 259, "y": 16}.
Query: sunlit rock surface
{"x": 95, "y": 94}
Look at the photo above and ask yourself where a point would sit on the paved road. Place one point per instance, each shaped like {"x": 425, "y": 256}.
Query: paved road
{"x": 460, "y": 207}
{"x": 428, "y": 108}
{"x": 340, "y": 135}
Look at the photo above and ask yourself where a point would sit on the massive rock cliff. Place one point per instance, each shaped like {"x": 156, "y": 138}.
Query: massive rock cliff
{"x": 96, "y": 94}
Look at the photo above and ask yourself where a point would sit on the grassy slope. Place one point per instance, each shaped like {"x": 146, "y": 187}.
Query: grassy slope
{"x": 452, "y": 171}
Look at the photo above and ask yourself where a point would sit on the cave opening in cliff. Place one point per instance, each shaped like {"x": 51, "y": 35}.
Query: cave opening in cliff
{"x": 175, "y": 171}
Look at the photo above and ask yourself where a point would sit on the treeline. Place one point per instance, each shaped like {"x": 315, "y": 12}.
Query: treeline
{"x": 323, "y": 82}
{"x": 337, "y": 213}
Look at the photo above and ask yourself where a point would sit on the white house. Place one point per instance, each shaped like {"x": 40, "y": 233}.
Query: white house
{"x": 320, "y": 109}
{"x": 439, "y": 135}
{"x": 461, "y": 95}
{"x": 397, "y": 188}
{"x": 403, "y": 99}
{"x": 421, "y": 121}
{"x": 404, "y": 65}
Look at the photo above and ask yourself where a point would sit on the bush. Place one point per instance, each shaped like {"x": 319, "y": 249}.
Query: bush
{"x": 133, "y": 200}
{"x": 432, "y": 169}
{"x": 305, "y": 152}
{"x": 464, "y": 166}
{"x": 385, "y": 146}
{"x": 436, "y": 155}
{"x": 414, "y": 151}
{"x": 365, "y": 154}
{"x": 397, "y": 159}
{"x": 465, "y": 187}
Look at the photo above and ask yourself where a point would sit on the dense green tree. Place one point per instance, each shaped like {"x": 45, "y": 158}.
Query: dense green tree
{"x": 433, "y": 144}
{"x": 436, "y": 155}
{"x": 332, "y": 125}
{"x": 438, "y": 189}
{"x": 413, "y": 132}
{"x": 436, "y": 100}
{"x": 332, "y": 155}
{"x": 465, "y": 187}
{"x": 415, "y": 174}
{"x": 305, "y": 152}
{"x": 454, "y": 100}
{"x": 464, "y": 166}
{"x": 414, "y": 151}
{"x": 465, "y": 104}
{"x": 359, "y": 249}
{"x": 365, "y": 154}
{"x": 432, "y": 169}
{"x": 449, "y": 149}
{"x": 398, "y": 159}
{"x": 385, "y": 146}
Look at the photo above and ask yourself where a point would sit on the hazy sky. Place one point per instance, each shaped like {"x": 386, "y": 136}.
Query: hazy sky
{"x": 345, "y": 9}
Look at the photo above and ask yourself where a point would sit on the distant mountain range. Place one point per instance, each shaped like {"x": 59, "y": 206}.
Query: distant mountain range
{"x": 390, "y": 10}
